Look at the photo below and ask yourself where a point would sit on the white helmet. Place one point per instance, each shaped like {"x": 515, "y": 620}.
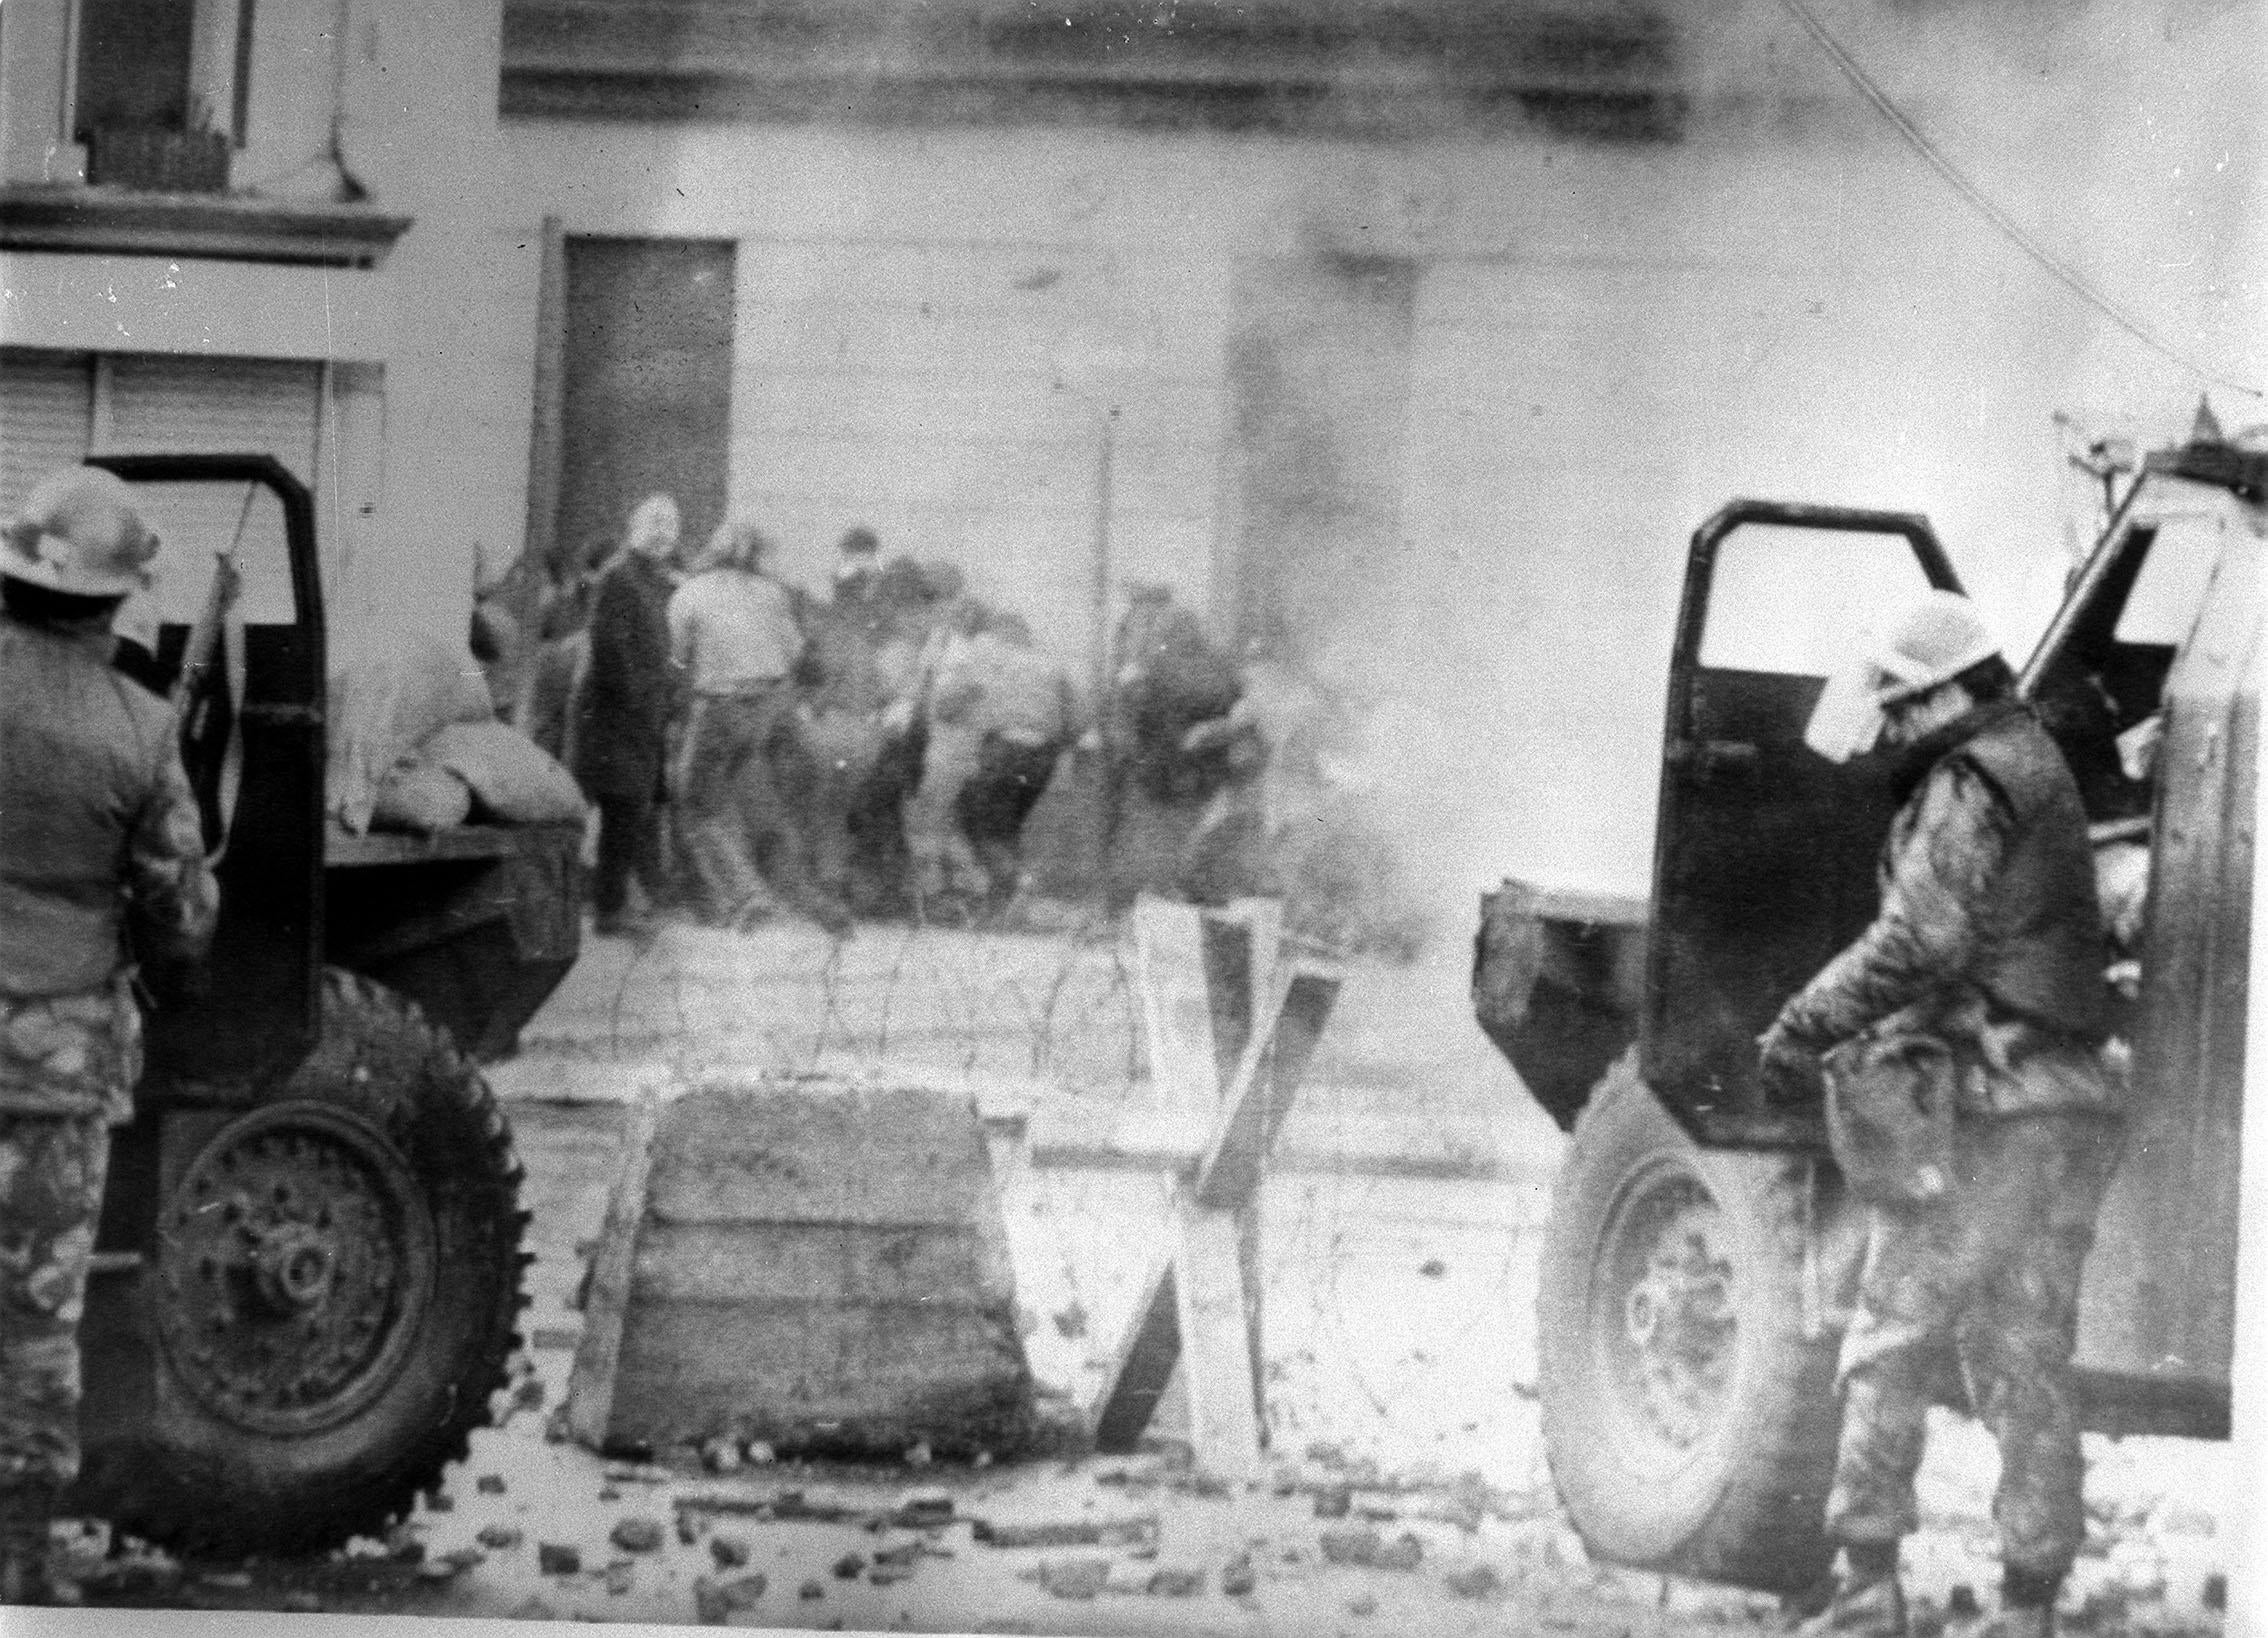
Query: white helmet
{"x": 80, "y": 532}
{"x": 1936, "y": 638}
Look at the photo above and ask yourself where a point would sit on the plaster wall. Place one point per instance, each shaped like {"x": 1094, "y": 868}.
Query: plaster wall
{"x": 1607, "y": 343}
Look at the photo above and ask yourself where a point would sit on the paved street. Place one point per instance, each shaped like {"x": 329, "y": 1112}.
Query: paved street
{"x": 1398, "y": 1266}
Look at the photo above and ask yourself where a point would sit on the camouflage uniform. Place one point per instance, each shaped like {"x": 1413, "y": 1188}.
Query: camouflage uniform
{"x": 100, "y": 850}
{"x": 1988, "y": 948}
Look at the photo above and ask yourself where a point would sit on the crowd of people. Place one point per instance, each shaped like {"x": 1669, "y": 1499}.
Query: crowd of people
{"x": 754, "y": 750}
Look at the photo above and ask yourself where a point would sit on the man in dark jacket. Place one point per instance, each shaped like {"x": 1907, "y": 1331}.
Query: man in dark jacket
{"x": 1968, "y": 1102}
{"x": 626, "y": 699}
{"x": 100, "y": 854}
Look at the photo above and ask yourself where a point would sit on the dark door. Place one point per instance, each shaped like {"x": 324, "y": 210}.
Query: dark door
{"x": 1764, "y": 855}
{"x": 646, "y": 383}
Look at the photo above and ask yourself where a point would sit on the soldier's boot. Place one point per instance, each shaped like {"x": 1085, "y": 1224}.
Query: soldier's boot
{"x": 1862, "y": 1609}
{"x": 2027, "y": 1607}
{"x": 25, "y": 1513}
{"x": 1868, "y": 1601}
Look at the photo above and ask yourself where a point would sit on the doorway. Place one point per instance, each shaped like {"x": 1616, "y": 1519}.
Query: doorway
{"x": 644, "y": 338}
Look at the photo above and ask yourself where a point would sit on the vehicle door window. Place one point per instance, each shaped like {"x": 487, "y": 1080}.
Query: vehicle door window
{"x": 2106, "y": 675}
{"x": 1790, "y": 601}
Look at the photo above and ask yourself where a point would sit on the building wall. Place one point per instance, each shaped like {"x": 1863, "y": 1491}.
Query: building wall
{"x": 1605, "y": 340}
{"x": 1608, "y": 342}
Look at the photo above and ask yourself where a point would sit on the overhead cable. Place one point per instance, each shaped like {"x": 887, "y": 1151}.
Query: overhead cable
{"x": 2011, "y": 229}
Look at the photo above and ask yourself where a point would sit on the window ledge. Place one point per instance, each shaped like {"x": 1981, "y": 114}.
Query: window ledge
{"x": 238, "y": 227}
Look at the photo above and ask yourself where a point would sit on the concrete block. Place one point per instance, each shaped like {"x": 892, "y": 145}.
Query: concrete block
{"x": 808, "y": 1262}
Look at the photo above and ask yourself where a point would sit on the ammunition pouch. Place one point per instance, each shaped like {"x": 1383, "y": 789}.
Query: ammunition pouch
{"x": 1890, "y": 1111}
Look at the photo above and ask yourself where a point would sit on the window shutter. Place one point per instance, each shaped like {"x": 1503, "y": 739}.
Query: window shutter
{"x": 45, "y": 401}
{"x": 231, "y": 406}
{"x": 157, "y": 404}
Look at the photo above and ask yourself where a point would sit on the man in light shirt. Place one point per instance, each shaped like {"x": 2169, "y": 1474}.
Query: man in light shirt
{"x": 735, "y": 637}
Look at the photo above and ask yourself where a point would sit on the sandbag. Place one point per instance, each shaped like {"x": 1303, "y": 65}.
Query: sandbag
{"x": 512, "y": 778}
{"x": 388, "y": 694}
{"x": 419, "y": 794}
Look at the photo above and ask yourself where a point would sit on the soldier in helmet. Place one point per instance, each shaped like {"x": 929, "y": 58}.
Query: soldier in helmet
{"x": 101, "y": 859}
{"x": 1957, "y": 1041}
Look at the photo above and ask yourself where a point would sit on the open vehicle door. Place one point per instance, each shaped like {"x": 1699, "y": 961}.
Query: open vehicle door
{"x": 252, "y": 739}
{"x": 1765, "y": 853}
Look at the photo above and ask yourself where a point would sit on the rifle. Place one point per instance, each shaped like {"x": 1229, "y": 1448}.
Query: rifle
{"x": 204, "y": 636}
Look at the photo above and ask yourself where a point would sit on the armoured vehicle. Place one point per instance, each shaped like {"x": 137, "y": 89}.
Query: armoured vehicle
{"x": 308, "y": 1270}
{"x": 1702, "y": 1253}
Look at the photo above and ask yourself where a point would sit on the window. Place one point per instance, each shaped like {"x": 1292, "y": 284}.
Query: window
{"x": 1793, "y": 601}
{"x": 57, "y": 407}
{"x": 162, "y": 65}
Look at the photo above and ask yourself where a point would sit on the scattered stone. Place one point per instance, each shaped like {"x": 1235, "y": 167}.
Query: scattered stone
{"x": 898, "y": 1557}
{"x": 709, "y": 1606}
{"x": 1325, "y": 1455}
{"x": 730, "y": 1552}
{"x": 1477, "y": 1582}
{"x": 847, "y": 1567}
{"x": 922, "y": 1509}
{"x": 1069, "y": 1533}
{"x": 1433, "y": 1268}
{"x": 1079, "y": 1578}
{"x": 554, "y": 1558}
{"x": 884, "y": 1575}
{"x": 721, "y": 1456}
{"x": 636, "y": 1473}
{"x": 529, "y": 1395}
{"x": 1961, "y": 1603}
{"x": 534, "y": 1609}
{"x": 636, "y": 1535}
{"x": 919, "y": 1455}
{"x": 811, "y": 1590}
{"x": 760, "y": 1454}
{"x": 620, "y": 1577}
{"x": 555, "y": 1429}
{"x": 1334, "y": 1501}
{"x": 688, "y": 1527}
{"x": 464, "y": 1558}
{"x": 1237, "y": 1577}
{"x": 1362, "y": 1604}
{"x": 300, "y": 1601}
{"x": 608, "y": 1493}
{"x": 1405, "y": 1552}
{"x": 498, "y": 1537}
{"x": 440, "y": 1501}
{"x": 1376, "y": 1514}
{"x": 1173, "y": 1583}
{"x": 1351, "y": 1544}
{"x": 2214, "y": 1595}
{"x": 1070, "y": 1322}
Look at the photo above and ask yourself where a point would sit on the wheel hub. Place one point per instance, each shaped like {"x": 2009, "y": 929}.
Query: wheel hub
{"x": 1671, "y": 1332}
{"x": 296, "y": 1258}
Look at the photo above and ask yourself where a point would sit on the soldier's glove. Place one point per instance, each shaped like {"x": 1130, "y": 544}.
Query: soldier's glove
{"x": 1788, "y": 1070}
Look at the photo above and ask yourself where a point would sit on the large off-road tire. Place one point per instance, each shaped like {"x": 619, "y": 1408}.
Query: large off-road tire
{"x": 332, "y": 1293}
{"x": 1689, "y": 1421}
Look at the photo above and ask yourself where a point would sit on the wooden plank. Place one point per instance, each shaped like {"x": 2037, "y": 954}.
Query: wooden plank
{"x": 1145, "y": 1357}
{"x": 1177, "y": 1006}
{"x": 591, "y": 1382}
{"x": 1261, "y": 1094}
{"x": 1224, "y": 1427}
